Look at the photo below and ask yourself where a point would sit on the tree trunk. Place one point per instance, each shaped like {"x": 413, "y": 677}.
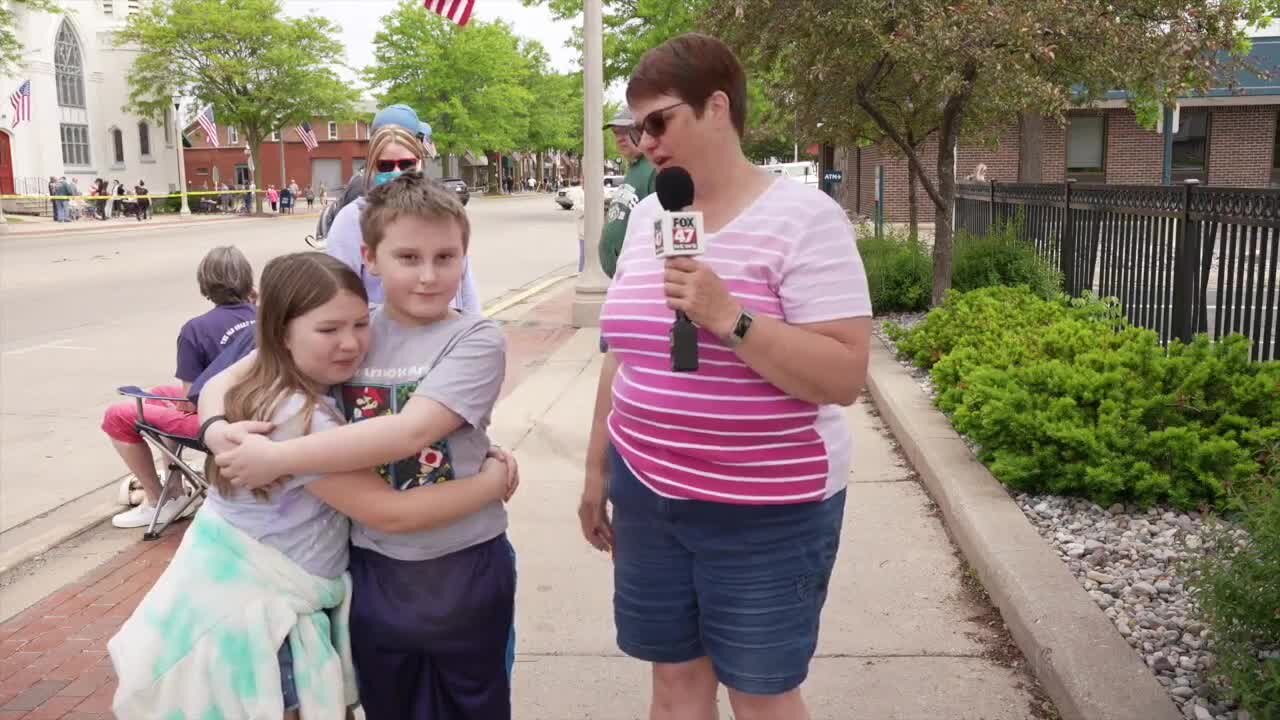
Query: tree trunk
{"x": 942, "y": 226}
{"x": 913, "y": 204}
{"x": 495, "y": 175}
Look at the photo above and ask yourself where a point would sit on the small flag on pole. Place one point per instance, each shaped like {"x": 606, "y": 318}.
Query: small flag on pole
{"x": 308, "y": 136}
{"x": 21, "y": 101}
{"x": 205, "y": 118}
{"x": 458, "y": 11}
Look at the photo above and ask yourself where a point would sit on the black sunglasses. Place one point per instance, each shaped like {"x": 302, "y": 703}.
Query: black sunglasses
{"x": 654, "y": 124}
{"x": 403, "y": 165}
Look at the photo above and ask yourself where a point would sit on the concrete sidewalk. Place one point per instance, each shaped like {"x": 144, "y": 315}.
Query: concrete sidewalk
{"x": 905, "y": 635}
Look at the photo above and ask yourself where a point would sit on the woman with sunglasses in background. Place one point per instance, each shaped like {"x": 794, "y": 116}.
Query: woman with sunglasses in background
{"x": 392, "y": 150}
{"x": 727, "y": 484}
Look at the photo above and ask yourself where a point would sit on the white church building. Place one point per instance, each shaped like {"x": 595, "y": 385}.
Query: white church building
{"x": 78, "y": 129}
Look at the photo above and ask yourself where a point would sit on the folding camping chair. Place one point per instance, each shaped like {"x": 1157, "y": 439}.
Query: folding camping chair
{"x": 179, "y": 474}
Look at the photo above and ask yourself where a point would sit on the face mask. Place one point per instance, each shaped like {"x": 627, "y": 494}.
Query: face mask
{"x": 385, "y": 177}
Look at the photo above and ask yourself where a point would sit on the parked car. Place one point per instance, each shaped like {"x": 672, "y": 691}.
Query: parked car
{"x": 801, "y": 172}
{"x": 565, "y": 196}
{"x": 459, "y": 187}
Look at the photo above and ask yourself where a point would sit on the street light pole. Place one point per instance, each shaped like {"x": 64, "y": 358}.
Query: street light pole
{"x": 182, "y": 165}
{"x": 592, "y": 282}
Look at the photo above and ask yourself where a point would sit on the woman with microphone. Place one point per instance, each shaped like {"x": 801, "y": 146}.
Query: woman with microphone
{"x": 727, "y": 484}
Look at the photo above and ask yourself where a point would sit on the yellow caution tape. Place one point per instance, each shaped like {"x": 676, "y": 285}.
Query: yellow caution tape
{"x": 93, "y": 198}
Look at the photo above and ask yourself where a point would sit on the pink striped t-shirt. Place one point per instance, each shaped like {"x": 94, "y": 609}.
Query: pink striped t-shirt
{"x": 725, "y": 434}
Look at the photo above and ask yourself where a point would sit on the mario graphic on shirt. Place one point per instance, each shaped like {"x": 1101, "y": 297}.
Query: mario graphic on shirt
{"x": 430, "y": 466}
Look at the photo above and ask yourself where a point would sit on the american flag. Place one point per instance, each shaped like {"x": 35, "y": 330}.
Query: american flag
{"x": 21, "y": 101}
{"x": 308, "y": 136}
{"x": 458, "y": 11}
{"x": 205, "y": 118}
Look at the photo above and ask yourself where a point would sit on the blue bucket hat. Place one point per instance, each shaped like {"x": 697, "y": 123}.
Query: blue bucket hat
{"x": 399, "y": 114}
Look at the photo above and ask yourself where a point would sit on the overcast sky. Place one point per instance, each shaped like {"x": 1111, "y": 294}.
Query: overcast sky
{"x": 359, "y": 20}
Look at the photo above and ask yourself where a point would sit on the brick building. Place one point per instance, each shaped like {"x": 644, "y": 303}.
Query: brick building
{"x": 1225, "y": 137}
{"x": 341, "y": 153}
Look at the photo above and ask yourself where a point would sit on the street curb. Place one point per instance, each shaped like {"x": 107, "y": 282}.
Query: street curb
{"x": 1086, "y": 667}
{"x": 47, "y": 531}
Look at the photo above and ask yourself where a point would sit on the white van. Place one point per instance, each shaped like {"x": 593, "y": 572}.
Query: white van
{"x": 801, "y": 172}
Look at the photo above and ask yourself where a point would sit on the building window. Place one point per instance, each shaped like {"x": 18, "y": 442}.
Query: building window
{"x": 275, "y": 136}
{"x": 107, "y": 7}
{"x": 75, "y": 145}
{"x": 243, "y": 176}
{"x": 168, "y": 131}
{"x": 1275, "y": 155}
{"x": 333, "y": 131}
{"x": 202, "y": 171}
{"x": 144, "y": 139}
{"x": 68, "y": 67}
{"x": 233, "y": 136}
{"x": 1086, "y": 144}
{"x": 1191, "y": 145}
{"x": 117, "y": 146}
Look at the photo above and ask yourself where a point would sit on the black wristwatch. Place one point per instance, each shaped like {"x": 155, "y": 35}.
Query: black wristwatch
{"x": 740, "y": 329}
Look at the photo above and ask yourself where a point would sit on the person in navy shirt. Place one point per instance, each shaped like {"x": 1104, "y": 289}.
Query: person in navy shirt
{"x": 226, "y": 279}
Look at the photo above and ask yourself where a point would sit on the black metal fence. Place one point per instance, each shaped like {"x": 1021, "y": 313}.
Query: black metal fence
{"x": 1181, "y": 259}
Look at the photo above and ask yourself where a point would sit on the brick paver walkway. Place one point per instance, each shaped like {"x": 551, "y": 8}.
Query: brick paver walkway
{"x": 53, "y": 655}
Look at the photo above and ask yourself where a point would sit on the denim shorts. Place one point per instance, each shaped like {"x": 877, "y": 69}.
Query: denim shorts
{"x": 741, "y": 584}
{"x": 287, "y": 683}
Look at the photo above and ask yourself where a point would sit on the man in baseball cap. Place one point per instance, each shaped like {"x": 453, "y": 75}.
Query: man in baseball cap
{"x": 636, "y": 186}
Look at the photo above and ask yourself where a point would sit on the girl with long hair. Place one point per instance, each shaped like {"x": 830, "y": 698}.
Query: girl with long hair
{"x": 250, "y": 618}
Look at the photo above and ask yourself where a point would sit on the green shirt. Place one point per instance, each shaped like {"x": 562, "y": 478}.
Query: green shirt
{"x": 636, "y": 186}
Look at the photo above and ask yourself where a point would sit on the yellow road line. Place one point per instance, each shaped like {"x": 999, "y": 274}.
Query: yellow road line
{"x": 524, "y": 295}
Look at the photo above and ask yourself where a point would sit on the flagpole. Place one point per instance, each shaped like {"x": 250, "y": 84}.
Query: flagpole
{"x": 592, "y": 282}
{"x": 182, "y": 164}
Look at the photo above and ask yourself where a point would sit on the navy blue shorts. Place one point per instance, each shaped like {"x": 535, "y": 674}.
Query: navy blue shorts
{"x": 741, "y": 584}
{"x": 431, "y": 639}
{"x": 288, "y": 686}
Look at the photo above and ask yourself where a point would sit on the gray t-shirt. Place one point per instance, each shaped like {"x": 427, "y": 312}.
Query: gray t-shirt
{"x": 292, "y": 520}
{"x": 458, "y": 362}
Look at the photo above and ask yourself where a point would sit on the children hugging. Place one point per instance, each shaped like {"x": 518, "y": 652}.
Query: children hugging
{"x": 356, "y": 519}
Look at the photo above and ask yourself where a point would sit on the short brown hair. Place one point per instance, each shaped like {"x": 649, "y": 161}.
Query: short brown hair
{"x": 225, "y": 276}
{"x": 692, "y": 67}
{"x": 410, "y": 195}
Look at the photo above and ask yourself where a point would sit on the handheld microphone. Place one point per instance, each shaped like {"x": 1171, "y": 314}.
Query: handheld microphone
{"x": 677, "y": 233}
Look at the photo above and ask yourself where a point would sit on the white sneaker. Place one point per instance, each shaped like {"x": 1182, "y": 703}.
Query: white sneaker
{"x": 140, "y": 516}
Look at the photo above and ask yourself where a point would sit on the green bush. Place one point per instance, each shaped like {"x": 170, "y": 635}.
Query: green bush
{"x": 1237, "y": 590}
{"x": 1063, "y": 396}
{"x": 1001, "y": 258}
{"x": 899, "y": 272}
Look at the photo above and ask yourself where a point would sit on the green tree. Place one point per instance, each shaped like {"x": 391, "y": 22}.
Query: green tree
{"x": 632, "y": 27}
{"x": 10, "y": 45}
{"x": 555, "y": 114}
{"x": 259, "y": 71}
{"x": 472, "y": 83}
{"x": 974, "y": 64}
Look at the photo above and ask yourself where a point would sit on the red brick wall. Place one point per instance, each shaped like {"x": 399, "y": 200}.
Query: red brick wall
{"x": 1241, "y": 144}
{"x": 1135, "y": 156}
{"x": 1241, "y": 140}
{"x": 1001, "y": 160}
{"x": 200, "y": 159}
{"x": 297, "y": 162}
